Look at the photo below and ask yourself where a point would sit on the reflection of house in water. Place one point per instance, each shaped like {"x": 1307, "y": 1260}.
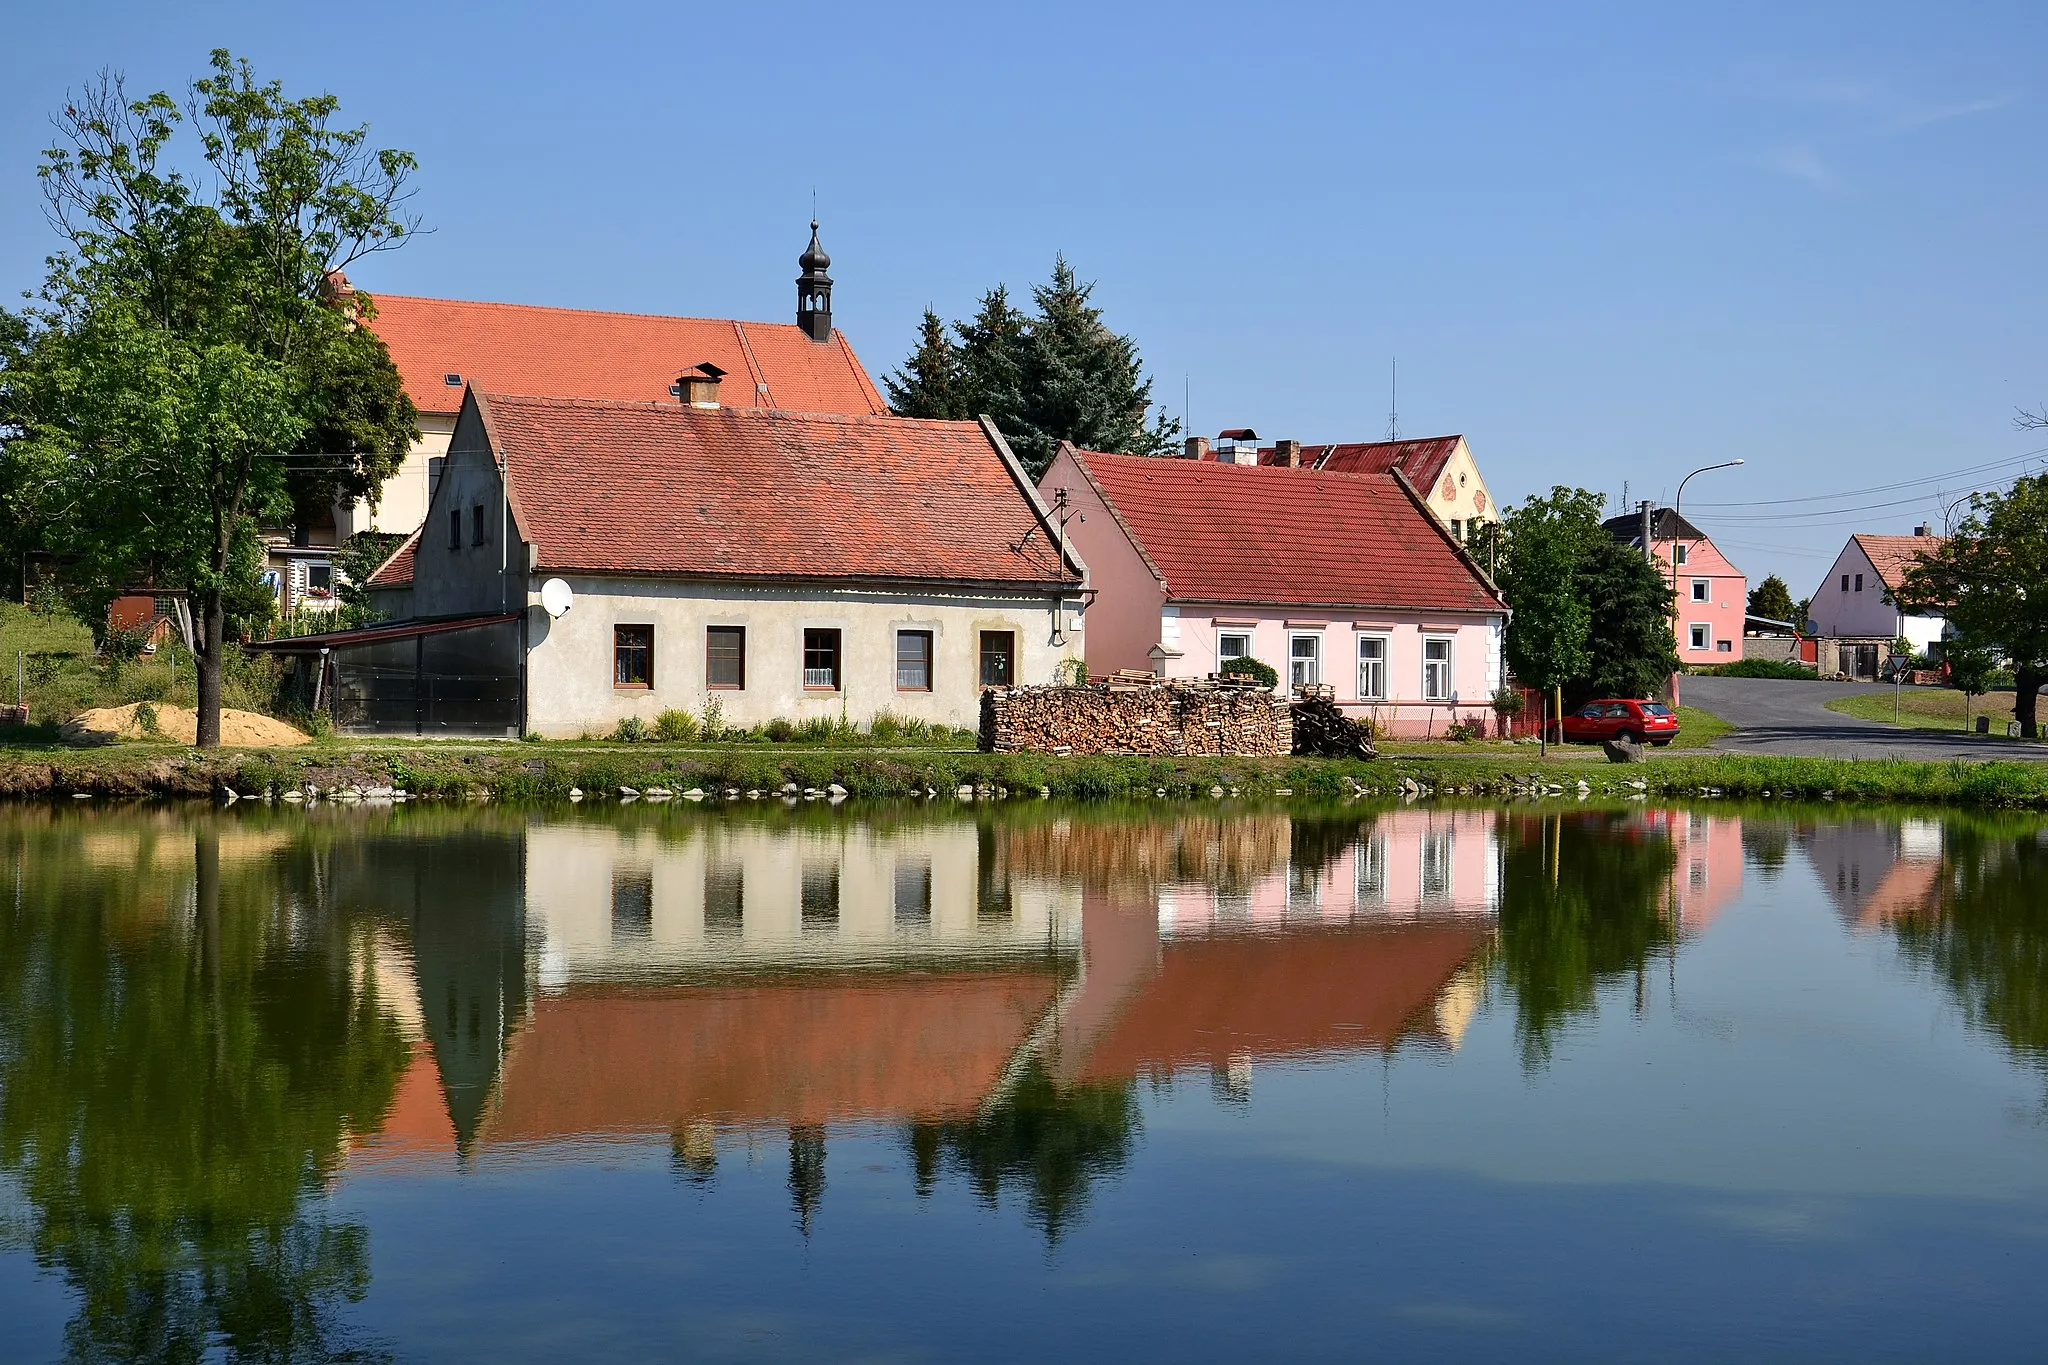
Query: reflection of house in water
{"x": 1875, "y": 871}
{"x": 1707, "y": 873}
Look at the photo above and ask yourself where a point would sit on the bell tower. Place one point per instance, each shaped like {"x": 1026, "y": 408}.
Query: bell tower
{"x": 814, "y": 290}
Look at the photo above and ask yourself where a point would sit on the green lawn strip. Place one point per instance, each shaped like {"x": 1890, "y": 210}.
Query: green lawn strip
{"x": 548, "y": 772}
{"x": 1925, "y": 708}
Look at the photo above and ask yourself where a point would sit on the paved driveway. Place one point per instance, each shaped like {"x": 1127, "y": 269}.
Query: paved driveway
{"x": 1775, "y": 716}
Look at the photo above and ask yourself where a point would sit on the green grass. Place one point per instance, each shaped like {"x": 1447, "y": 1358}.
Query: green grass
{"x": 1697, "y": 729}
{"x": 1926, "y": 708}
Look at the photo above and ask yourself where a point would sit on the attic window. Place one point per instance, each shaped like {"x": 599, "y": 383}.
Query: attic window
{"x": 453, "y": 381}
{"x": 675, "y": 390}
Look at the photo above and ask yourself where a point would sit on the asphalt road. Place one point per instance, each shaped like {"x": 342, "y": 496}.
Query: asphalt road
{"x": 1775, "y": 716}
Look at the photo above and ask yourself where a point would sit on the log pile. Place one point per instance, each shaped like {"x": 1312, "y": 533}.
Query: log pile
{"x": 1323, "y": 731}
{"x": 1137, "y": 713}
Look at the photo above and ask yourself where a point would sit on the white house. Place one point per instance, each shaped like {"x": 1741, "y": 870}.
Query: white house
{"x": 1855, "y": 601}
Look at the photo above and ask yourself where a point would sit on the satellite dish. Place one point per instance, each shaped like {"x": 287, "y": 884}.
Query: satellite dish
{"x": 556, "y": 597}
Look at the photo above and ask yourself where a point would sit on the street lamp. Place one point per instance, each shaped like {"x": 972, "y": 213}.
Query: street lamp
{"x": 1677, "y": 514}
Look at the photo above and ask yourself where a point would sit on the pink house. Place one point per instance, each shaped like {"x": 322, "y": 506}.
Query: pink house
{"x": 1713, "y": 595}
{"x": 1344, "y": 580}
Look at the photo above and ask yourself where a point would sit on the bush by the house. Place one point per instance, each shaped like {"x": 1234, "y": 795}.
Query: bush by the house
{"x": 1758, "y": 668}
{"x": 1248, "y": 667}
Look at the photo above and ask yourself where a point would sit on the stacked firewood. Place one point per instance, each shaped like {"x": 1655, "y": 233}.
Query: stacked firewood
{"x": 1137, "y": 713}
{"x": 1324, "y": 731}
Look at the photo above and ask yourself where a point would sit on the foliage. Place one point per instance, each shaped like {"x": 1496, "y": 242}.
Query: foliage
{"x": 1772, "y": 600}
{"x": 1245, "y": 666}
{"x": 359, "y": 557}
{"x": 1630, "y": 649}
{"x": 675, "y": 727}
{"x": 1759, "y": 668}
{"x": 188, "y": 335}
{"x": 631, "y": 730}
{"x": 1508, "y": 701}
{"x": 1987, "y": 579}
{"x": 1056, "y": 375}
{"x": 1546, "y": 540}
{"x": 1072, "y": 671}
{"x": 1972, "y": 668}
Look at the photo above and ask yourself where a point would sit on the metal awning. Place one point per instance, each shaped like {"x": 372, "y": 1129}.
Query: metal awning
{"x": 368, "y": 635}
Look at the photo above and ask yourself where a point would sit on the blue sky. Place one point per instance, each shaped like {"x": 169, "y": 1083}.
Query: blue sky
{"x": 1607, "y": 243}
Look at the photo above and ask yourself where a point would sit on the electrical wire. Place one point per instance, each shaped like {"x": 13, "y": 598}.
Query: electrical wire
{"x": 1935, "y": 479}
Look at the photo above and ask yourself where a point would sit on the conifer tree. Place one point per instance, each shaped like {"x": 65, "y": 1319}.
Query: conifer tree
{"x": 992, "y": 346}
{"x": 929, "y": 383}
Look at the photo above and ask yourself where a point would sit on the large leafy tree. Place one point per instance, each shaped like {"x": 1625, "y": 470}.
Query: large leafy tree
{"x": 1544, "y": 542}
{"x": 1990, "y": 579}
{"x": 1630, "y": 650}
{"x": 189, "y": 370}
{"x": 1056, "y": 374}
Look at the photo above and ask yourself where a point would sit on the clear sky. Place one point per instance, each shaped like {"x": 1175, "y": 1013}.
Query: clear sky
{"x": 1607, "y": 243}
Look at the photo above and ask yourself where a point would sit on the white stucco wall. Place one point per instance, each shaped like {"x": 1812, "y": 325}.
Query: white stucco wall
{"x": 1840, "y": 612}
{"x": 402, "y": 502}
{"x": 569, "y": 665}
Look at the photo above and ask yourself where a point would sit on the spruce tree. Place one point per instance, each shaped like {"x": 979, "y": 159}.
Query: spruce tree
{"x": 929, "y": 384}
{"x": 992, "y": 346}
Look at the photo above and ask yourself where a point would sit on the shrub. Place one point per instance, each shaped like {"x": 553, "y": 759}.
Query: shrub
{"x": 885, "y": 726}
{"x": 1248, "y": 667}
{"x": 146, "y": 721}
{"x": 533, "y": 737}
{"x": 1508, "y": 701}
{"x": 674, "y": 727}
{"x": 1071, "y": 672}
{"x": 782, "y": 731}
{"x": 714, "y": 720}
{"x": 631, "y": 730}
{"x": 1759, "y": 668}
{"x": 318, "y": 724}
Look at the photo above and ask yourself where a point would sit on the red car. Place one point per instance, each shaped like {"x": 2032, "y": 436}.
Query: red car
{"x": 1645, "y": 722}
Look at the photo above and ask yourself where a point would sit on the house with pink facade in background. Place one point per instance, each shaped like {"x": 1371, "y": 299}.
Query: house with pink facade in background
{"x": 1339, "y": 580}
{"x": 1712, "y": 594}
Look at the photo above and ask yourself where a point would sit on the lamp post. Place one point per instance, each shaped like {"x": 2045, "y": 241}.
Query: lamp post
{"x": 1677, "y": 513}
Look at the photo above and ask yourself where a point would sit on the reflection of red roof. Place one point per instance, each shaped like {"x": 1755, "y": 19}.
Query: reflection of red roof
{"x": 792, "y": 1052}
{"x": 416, "y": 1128}
{"x": 1891, "y": 556}
{"x": 1906, "y": 891}
{"x": 662, "y": 488}
{"x": 396, "y": 571}
{"x": 1252, "y": 534}
{"x": 1421, "y": 460}
{"x": 1299, "y": 993}
{"x": 578, "y": 353}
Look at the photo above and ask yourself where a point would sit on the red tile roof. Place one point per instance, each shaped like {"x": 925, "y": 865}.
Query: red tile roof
{"x": 1891, "y": 556}
{"x": 1257, "y": 534}
{"x": 396, "y": 571}
{"x": 660, "y": 488}
{"x": 1421, "y": 460}
{"x": 578, "y": 353}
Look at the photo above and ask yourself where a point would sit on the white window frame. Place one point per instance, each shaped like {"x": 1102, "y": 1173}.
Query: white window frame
{"x": 1700, "y": 633}
{"x": 1679, "y": 553}
{"x": 1296, "y": 675}
{"x": 1369, "y": 873}
{"x": 1379, "y": 665}
{"x": 1703, "y": 590}
{"x": 1447, "y": 663}
{"x": 1222, "y": 635}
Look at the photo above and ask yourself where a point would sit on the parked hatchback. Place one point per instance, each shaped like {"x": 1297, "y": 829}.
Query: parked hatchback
{"x": 1643, "y": 722}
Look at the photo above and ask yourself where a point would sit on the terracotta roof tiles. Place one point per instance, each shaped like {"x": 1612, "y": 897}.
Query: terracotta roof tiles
{"x": 1891, "y": 556}
{"x": 1421, "y": 460}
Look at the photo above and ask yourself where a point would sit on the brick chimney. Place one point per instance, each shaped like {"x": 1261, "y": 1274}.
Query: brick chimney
{"x": 698, "y": 386}
{"x": 1195, "y": 448}
{"x": 1287, "y": 453}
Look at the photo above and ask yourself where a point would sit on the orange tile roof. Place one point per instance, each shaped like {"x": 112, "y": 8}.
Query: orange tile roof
{"x": 581, "y": 353}
{"x": 1891, "y": 556}
{"x": 1422, "y": 460}
{"x": 661, "y": 488}
{"x": 1259, "y": 534}
{"x": 396, "y": 571}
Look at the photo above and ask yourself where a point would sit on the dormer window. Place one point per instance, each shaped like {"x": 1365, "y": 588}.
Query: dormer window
{"x": 453, "y": 381}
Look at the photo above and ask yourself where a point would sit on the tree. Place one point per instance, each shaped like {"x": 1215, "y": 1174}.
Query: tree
{"x": 1990, "y": 579}
{"x": 184, "y": 341}
{"x": 360, "y": 556}
{"x": 1970, "y": 670}
{"x": 1545, "y": 541}
{"x": 1058, "y": 374}
{"x": 1631, "y": 651}
{"x": 1772, "y": 600}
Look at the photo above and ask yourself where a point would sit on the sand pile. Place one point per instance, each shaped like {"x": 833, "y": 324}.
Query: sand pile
{"x": 179, "y": 724}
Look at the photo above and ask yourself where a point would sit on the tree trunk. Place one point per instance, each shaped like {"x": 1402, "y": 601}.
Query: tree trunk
{"x": 206, "y": 660}
{"x": 2027, "y": 681}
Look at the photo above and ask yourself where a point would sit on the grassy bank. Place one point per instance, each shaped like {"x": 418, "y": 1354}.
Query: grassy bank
{"x": 1926, "y": 708}
{"x": 515, "y": 772}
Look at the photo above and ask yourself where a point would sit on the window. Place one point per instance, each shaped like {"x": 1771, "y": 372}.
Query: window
{"x": 1679, "y": 551}
{"x": 1859, "y": 582}
{"x": 1370, "y": 884}
{"x": 1372, "y": 667}
{"x": 1458, "y": 531}
{"x": 725, "y": 894}
{"x": 1702, "y": 590}
{"x": 821, "y": 660}
{"x": 1304, "y": 661}
{"x": 455, "y": 528}
{"x": 1845, "y": 582}
{"x": 913, "y": 661}
{"x": 1436, "y": 863}
{"x": 913, "y": 893}
{"x": 998, "y": 658}
{"x": 632, "y": 903}
{"x": 725, "y": 656}
{"x": 1232, "y": 644}
{"x": 1304, "y": 889}
{"x": 1702, "y": 636}
{"x": 435, "y": 463}
{"x": 1724, "y": 646}
{"x": 821, "y": 898}
{"x": 1436, "y": 670}
{"x": 633, "y": 656}
{"x": 320, "y": 578}
{"x": 477, "y": 535}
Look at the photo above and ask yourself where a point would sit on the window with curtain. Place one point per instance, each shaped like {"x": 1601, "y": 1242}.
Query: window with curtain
{"x": 725, "y": 657}
{"x": 821, "y": 660}
{"x": 913, "y": 661}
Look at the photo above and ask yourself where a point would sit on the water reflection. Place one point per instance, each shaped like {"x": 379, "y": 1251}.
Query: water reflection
{"x": 206, "y": 1020}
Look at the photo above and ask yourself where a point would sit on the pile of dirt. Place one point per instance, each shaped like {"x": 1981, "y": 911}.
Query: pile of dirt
{"x": 179, "y": 725}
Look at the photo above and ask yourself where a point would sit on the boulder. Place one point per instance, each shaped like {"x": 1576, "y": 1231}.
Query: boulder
{"x": 1624, "y": 751}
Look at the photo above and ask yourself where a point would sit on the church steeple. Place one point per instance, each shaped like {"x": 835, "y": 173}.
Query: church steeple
{"x": 814, "y": 290}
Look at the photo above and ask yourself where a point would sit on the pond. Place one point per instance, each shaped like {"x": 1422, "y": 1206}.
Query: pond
{"x": 1022, "y": 1082}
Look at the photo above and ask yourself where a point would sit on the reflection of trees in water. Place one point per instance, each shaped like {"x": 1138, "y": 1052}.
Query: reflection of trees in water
{"x": 1048, "y": 1143}
{"x": 1583, "y": 902}
{"x": 1983, "y": 930}
{"x": 182, "y": 1057}
{"x": 1767, "y": 843}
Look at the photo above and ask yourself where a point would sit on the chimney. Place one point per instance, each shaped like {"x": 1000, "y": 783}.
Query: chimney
{"x": 1287, "y": 453}
{"x": 1238, "y": 445}
{"x": 698, "y": 386}
{"x": 1923, "y": 530}
{"x": 1195, "y": 448}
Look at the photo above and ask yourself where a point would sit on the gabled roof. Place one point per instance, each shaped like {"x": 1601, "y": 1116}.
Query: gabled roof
{"x": 1422, "y": 460}
{"x": 664, "y": 489}
{"x": 1257, "y": 534}
{"x": 1665, "y": 524}
{"x": 579, "y": 353}
{"x": 396, "y": 570}
{"x": 1891, "y": 556}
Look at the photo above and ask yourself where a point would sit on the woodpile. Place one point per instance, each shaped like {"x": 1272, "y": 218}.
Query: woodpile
{"x": 1137, "y": 713}
{"x": 1323, "y": 731}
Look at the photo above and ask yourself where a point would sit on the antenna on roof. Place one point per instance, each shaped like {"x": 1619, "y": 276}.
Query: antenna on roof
{"x": 1394, "y": 404}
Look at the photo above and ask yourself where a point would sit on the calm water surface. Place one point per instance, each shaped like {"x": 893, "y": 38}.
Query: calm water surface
{"x": 1015, "y": 1084}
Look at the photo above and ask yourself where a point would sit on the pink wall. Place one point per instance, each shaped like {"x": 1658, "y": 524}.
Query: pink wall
{"x": 1724, "y": 611}
{"x": 1122, "y": 622}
